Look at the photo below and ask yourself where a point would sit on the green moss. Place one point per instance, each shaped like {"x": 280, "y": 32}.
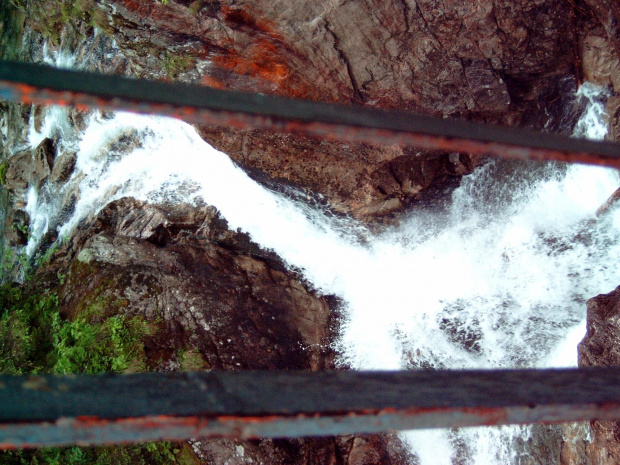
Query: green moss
{"x": 196, "y": 6}
{"x": 48, "y": 17}
{"x": 26, "y": 322}
{"x": 155, "y": 453}
{"x": 191, "y": 360}
{"x": 34, "y": 338}
{"x": 11, "y": 26}
{"x": 3, "y": 167}
{"x": 47, "y": 256}
{"x": 174, "y": 65}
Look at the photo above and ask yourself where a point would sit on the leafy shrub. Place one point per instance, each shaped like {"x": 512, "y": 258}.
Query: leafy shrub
{"x": 3, "y": 167}
{"x": 153, "y": 453}
{"x": 34, "y": 338}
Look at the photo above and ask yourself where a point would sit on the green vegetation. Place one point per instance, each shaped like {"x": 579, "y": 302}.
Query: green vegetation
{"x": 49, "y": 16}
{"x": 196, "y": 6}
{"x": 11, "y": 25}
{"x": 174, "y": 65}
{"x": 22, "y": 228}
{"x": 6, "y": 263}
{"x": 190, "y": 360}
{"x": 13, "y": 264}
{"x": 47, "y": 256}
{"x": 35, "y": 338}
{"x": 3, "y": 167}
{"x": 153, "y": 453}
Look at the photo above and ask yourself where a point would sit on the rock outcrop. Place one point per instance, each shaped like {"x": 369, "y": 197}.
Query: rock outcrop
{"x": 209, "y": 286}
{"x": 601, "y": 347}
{"x": 44, "y": 156}
{"x": 600, "y": 56}
{"x": 504, "y": 62}
{"x": 608, "y": 14}
{"x": 213, "y": 294}
{"x": 444, "y": 59}
{"x": 19, "y": 172}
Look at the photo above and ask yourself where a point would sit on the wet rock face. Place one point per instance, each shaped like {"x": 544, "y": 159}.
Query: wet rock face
{"x": 612, "y": 108}
{"x": 19, "y": 172}
{"x": 237, "y": 304}
{"x": 600, "y": 61}
{"x": 16, "y": 227}
{"x": 13, "y": 127}
{"x": 63, "y": 167}
{"x": 28, "y": 168}
{"x": 608, "y": 14}
{"x": 347, "y": 450}
{"x": 214, "y": 291}
{"x": 44, "y": 155}
{"x": 359, "y": 179}
{"x": 498, "y": 61}
{"x": 440, "y": 58}
{"x": 601, "y": 347}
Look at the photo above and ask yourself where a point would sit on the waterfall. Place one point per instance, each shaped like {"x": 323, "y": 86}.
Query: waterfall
{"x": 498, "y": 279}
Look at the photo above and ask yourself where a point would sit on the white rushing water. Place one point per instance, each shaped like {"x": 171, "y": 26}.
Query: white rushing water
{"x": 499, "y": 279}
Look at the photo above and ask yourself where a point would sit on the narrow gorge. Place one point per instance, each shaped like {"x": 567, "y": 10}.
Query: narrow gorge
{"x": 246, "y": 249}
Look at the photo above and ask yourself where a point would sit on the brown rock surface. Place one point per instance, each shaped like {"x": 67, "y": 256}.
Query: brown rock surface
{"x": 502, "y": 61}
{"x": 233, "y": 301}
{"x": 19, "y": 172}
{"x": 44, "y": 155}
{"x": 600, "y": 61}
{"x": 363, "y": 180}
{"x": 63, "y": 167}
{"x": 441, "y": 58}
{"x": 612, "y": 108}
{"x": 16, "y": 227}
{"x": 346, "y": 450}
{"x": 601, "y": 347}
{"x": 608, "y": 14}
{"x": 216, "y": 294}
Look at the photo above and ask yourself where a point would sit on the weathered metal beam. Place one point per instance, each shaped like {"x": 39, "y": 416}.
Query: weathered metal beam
{"x": 84, "y": 409}
{"x": 46, "y": 85}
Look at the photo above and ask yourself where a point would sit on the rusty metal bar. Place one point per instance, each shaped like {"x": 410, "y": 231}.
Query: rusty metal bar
{"x": 85, "y": 409}
{"x": 46, "y": 85}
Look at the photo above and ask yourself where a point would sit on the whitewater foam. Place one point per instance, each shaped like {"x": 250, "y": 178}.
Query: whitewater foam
{"x": 498, "y": 280}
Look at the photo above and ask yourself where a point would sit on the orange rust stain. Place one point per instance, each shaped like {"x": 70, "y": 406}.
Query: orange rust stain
{"x": 184, "y": 112}
{"x": 250, "y": 420}
{"x": 25, "y": 92}
{"x": 89, "y": 419}
{"x": 157, "y": 421}
{"x": 148, "y": 422}
{"x": 262, "y": 59}
{"x": 210, "y": 81}
{"x": 490, "y": 416}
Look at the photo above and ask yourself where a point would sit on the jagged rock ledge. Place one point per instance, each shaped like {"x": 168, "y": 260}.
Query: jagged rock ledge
{"x": 215, "y": 293}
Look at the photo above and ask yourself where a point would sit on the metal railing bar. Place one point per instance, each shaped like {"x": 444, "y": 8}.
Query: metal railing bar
{"x": 87, "y": 409}
{"x": 42, "y": 84}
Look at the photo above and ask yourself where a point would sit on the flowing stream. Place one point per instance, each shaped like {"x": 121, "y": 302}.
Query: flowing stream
{"x": 498, "y": 279}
